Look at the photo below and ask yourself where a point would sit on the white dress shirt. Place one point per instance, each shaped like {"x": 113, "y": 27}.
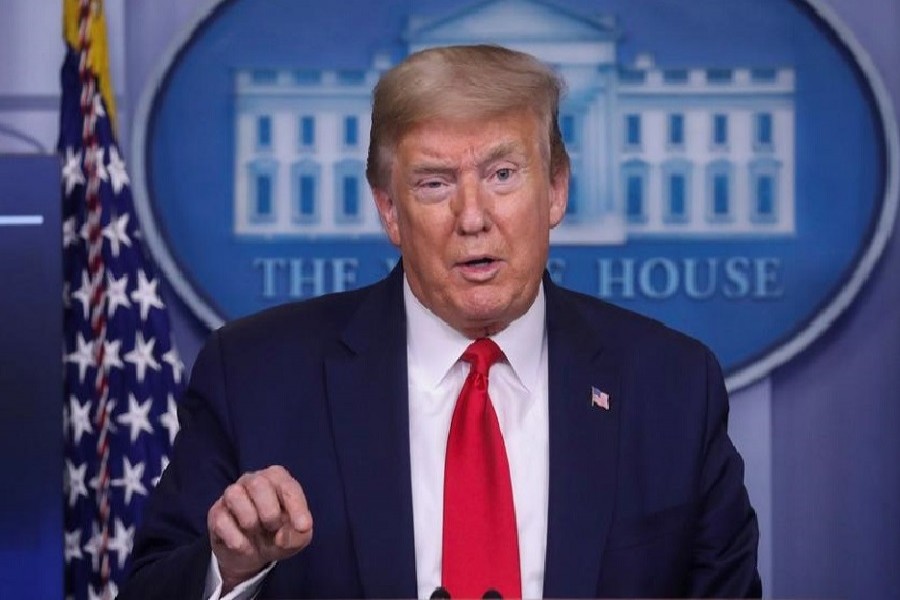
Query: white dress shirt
{"x": 518, "y": 391}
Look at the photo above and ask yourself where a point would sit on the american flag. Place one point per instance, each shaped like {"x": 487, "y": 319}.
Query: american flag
{"x": 122, "y": 372}
{"x": 599, "y": 398}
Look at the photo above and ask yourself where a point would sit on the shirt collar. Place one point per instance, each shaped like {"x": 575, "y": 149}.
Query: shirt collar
{"x": 433, "y": 347}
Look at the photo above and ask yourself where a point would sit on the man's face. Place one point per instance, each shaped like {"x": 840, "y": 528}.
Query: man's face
{"x": 470, "y": 205}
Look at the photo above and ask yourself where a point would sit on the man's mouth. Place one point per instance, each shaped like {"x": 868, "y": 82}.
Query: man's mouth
{"x": 479, "y": 269}
{"x": 475, "y": 262}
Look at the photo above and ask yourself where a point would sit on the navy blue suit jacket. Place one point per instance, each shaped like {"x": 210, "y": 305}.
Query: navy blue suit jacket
{"x": 646, "y": 499}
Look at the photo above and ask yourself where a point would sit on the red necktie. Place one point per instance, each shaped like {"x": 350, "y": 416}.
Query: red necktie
{"x": 481, "y": 546}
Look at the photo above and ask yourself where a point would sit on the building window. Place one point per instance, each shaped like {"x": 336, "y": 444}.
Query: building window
{"x": 349, "y": 189}
{"x": 634, "y": 178}
{"x": 264, "y": 132}
{"x": 676, "y": 190}
{"x": 676, "y": 130}
{"x": 632, "y": 131}
{"x": 262, "y": 176}
{"x": 764, "y": 191}
{"x": 264, "y": 205}
{"x": 763, "y": 75}
{"x": 632, "y": 76}
{"x": 572, "y": 204}
{"x": 351, "y": 77}
{"x": 677, "y": 205}
{"x": 350, "y": 196}
{"x": 765, "y": 207}
{"x": 720, "y": 130}
{"x": 567, "y": 129}
{"x": 719, "y": 76}
{"x": 675, "y": 76}
{"x": 351, "y": 131}
{"x": 305, "y": 192}
{"x": 307, "y": 77}
{"x": 307, "y": 202}
{"x": 264, "y": 76}
{"x": 634, "y": 194}
{"x": 307, "y": 132}
{"x": 719, "y": 193}
{"x": 763, "y": 131}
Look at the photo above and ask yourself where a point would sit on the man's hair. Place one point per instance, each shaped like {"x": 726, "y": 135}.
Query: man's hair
{"x": 462, "y": 83}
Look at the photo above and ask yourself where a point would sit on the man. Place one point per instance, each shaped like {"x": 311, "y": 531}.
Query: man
{"x": 613, "y": 474}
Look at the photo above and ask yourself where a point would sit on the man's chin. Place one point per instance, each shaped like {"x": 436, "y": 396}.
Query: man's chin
{"x": 484, "y": 321}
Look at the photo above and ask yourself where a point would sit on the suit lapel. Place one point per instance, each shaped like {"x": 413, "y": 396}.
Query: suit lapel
{"x": 367, "y": 393}
{"x": 583, "y": 449}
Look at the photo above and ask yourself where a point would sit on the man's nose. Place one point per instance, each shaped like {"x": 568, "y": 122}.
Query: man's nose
{"x": 471, "y": 207}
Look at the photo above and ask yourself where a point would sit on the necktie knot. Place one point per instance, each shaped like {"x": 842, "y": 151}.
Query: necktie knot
{"x": 482, "y": 354}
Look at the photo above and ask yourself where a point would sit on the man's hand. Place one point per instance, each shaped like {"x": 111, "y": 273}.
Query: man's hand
{"x": 258, "y": 519}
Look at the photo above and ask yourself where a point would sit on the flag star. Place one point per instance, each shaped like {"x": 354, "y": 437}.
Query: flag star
{"x": 83, "y": 294}
{"x": 169, "y": 419}
{"x": 111, "y": 355}
{"x": 116, "y": 295}
{"x": 172, "y": 359}
{"x": 95, "y": 154}
{"x": 122, "y": 541}
{"x": 73, "y": 545}
{"x": 83, "y": 356}
{"x": 107, "y": 593}
{"x": 85, "y": 231}
{"x": 71, "y": 172}
{"x": 70, "y": 235}
{"x": 142, "y": 356}
{"x": 146, "y": 295}
{"x": 79, "y": 418}
{"x": 131, "y": 479}
{"x": 116, "y": 231}
{"x": 74, "y": 482}
{"x": 163, "y": 465}
{"x": 92, "y": 547}
{"x": 137, "y": 417}
{"x": 117, "y": 173}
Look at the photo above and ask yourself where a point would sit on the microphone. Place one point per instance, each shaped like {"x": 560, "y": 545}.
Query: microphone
{"x": 492, "y": 594}
{"x": 440, "y": 593}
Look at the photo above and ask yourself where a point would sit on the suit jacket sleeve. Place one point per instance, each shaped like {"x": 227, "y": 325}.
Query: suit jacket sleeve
{"x": 172, "y": 552}
{"x": 726, "y": 532}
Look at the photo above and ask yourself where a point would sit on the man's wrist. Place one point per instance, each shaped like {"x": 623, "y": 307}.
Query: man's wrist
{"x": 221, "y": 586}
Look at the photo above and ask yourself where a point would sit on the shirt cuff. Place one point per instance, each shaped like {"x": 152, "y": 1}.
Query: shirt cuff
{"x": 246, "y": 590}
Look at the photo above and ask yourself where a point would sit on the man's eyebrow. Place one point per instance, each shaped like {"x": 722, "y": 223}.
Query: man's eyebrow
{"x": 437, "y": 166}
{"x": 432, "y": 168}
{"x": 503, "y": 150}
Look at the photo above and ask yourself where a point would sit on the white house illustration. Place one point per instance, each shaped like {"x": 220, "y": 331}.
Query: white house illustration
{"x": 657, "y": 151}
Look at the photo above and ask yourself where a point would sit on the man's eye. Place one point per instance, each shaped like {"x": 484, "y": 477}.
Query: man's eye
{"x": 504, "y": 174}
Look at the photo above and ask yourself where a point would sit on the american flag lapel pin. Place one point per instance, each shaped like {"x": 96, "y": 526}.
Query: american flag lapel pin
{"x": 599, "y": 398}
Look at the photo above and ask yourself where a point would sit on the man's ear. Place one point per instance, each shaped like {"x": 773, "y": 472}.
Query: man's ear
{"x": 559, "y": 196}
{"x": 387, "y": 211}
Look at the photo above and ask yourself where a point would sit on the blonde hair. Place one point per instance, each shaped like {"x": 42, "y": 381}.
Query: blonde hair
{"x": 462, "y": 83}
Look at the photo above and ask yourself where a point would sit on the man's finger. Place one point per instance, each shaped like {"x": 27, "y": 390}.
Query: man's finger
{"x": 225, "y": 530}
{"x": 293, "y": 501}
{"x": 290, "y": 540}
{"x": 261, "y": 490}
{"x": 236, "y": 499}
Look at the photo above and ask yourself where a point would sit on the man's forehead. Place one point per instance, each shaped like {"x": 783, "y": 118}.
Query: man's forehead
{"x": 440, "y": 138}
